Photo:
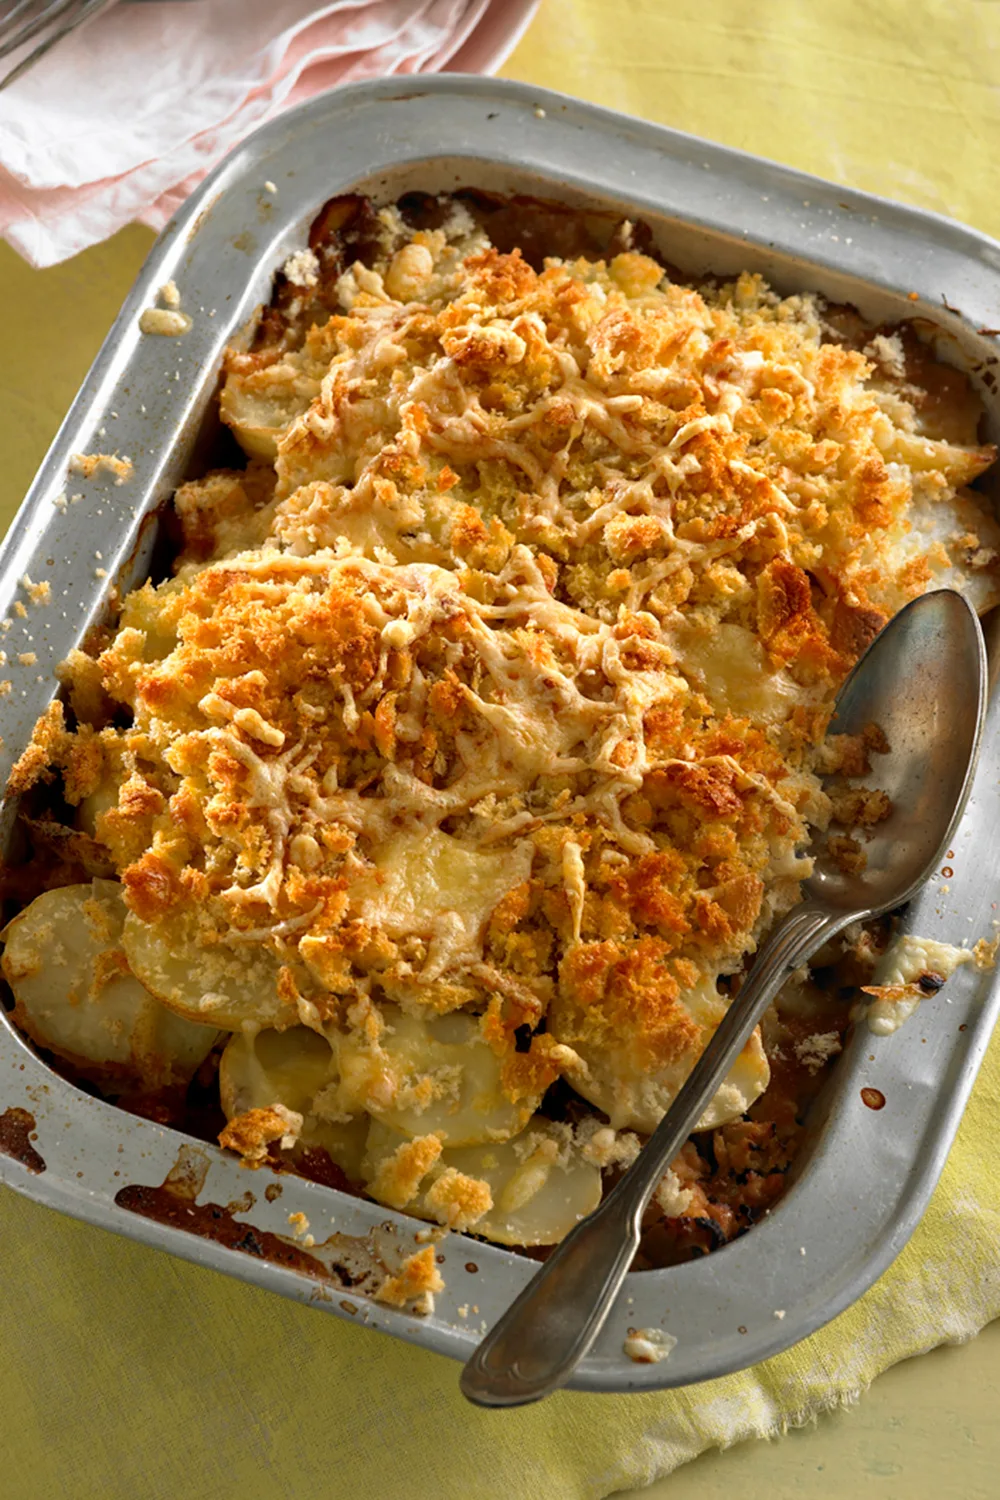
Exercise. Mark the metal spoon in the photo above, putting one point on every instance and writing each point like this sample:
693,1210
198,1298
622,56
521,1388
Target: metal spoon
923,682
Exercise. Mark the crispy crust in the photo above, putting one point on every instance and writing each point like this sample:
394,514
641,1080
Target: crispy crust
251,1133
418,1278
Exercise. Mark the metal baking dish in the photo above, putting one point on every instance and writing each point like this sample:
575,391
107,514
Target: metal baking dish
865,1176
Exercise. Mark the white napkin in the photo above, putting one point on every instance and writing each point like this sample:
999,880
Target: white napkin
124,117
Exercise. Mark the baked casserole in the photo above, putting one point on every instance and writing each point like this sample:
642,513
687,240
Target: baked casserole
424,819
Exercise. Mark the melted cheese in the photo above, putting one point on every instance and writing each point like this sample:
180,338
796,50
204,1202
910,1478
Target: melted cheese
895,983
729,664
648,1346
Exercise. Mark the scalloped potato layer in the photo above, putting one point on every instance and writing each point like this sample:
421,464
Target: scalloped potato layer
476,731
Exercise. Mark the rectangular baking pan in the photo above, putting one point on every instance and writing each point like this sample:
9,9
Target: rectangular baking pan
864,1177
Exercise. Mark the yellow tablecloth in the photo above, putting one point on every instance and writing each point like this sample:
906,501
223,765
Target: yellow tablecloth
131,1374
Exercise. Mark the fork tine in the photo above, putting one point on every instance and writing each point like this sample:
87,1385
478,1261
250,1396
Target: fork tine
17,9
89,11
12,13
34,25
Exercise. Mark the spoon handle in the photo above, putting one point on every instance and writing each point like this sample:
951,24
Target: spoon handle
535,1347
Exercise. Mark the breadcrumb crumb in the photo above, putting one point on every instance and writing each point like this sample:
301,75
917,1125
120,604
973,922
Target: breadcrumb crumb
418,1277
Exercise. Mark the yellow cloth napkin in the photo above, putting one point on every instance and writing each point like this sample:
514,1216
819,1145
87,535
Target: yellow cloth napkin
130,1374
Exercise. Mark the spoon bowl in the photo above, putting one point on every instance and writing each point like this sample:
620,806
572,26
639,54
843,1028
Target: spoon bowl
922,682
922,686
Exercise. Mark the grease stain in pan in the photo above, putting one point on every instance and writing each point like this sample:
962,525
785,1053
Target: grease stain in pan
350,1262
16,1127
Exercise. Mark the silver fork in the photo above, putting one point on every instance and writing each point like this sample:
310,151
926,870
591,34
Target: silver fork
48,21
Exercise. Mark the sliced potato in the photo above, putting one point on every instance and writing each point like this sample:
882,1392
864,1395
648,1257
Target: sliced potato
95,805
274,1067
634,1100
185,964
342,1140
260,406
635,1095
958,463
539,1184
290,1068
76,995
426,1075
430,884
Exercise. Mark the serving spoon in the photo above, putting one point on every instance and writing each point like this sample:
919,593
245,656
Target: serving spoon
923,683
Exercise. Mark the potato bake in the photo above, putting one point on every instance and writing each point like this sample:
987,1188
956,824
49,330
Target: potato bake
424,820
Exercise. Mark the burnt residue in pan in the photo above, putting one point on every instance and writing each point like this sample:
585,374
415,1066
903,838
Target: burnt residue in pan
16,1129
348,1261
536,227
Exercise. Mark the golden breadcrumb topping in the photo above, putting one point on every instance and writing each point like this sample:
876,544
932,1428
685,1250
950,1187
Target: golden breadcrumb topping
457,1200
251,1133
495,684
398,1178
418,1279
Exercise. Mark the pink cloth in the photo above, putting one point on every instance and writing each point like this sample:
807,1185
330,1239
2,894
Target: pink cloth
124,117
